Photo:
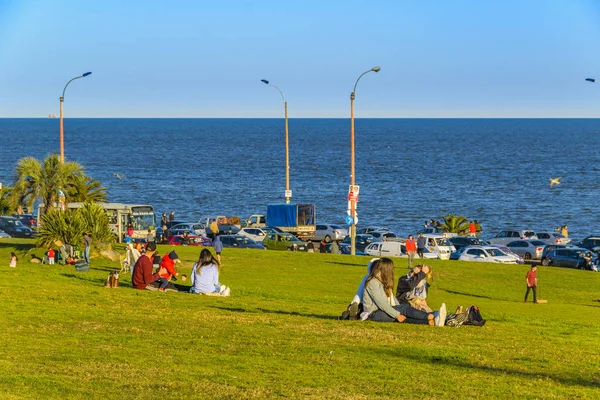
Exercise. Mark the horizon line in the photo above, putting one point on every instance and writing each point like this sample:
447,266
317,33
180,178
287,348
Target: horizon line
56,118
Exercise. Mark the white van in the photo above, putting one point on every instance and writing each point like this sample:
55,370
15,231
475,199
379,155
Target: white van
384,249
440,245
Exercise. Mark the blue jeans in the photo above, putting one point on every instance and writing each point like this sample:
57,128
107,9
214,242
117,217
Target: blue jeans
413,316
86,255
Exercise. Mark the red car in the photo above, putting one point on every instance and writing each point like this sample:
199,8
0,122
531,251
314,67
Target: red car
194,241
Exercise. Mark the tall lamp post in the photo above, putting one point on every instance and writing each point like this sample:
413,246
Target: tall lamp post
353,192
288,192
62,99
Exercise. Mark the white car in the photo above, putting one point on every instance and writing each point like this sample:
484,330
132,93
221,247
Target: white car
329,233
256,234
439,244
486,254
553,238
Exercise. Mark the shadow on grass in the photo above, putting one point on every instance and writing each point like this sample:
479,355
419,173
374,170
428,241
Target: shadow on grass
349,264
23,247
265,311
459,362
479,296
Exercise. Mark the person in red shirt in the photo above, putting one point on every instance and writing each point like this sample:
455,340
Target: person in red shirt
472,229
531,278
411,249
51,256
168,263
142,277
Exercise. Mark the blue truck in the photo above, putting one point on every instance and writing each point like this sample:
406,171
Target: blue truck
298,219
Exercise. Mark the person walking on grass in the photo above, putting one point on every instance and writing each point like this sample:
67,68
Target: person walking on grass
13,260
421,244
411,249
87,243
218,247
531,279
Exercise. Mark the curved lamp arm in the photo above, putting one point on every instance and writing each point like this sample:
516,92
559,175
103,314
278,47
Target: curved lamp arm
374,69
266,82
77,77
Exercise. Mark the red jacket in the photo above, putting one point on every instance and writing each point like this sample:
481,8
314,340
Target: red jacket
169,265
472,228
142,273
410,245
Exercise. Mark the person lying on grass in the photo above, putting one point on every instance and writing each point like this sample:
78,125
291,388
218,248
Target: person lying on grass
413,287
205,276
379,302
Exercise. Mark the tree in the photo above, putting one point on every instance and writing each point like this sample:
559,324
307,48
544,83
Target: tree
82,188
6,204
455,224
69,226
36,181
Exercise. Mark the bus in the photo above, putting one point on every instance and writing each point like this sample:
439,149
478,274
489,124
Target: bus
120,216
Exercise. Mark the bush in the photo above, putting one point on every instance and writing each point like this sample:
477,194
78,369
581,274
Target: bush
70,225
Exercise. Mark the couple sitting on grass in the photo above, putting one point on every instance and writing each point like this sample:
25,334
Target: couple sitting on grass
205,274
375,298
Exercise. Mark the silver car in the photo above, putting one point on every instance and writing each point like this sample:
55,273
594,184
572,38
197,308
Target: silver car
191,226
528,249
256,234
553,238
505,237
329,233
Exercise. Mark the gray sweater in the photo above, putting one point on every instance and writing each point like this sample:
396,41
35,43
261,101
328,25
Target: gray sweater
375,299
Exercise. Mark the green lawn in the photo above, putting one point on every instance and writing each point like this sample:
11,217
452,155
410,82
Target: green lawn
64,335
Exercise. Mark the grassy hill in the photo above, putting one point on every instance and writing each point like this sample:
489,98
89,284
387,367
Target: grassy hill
66,336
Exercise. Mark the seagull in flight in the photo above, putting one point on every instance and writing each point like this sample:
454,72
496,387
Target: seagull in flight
119,176
555,181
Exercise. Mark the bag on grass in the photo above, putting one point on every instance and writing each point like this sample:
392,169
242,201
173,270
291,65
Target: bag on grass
474,317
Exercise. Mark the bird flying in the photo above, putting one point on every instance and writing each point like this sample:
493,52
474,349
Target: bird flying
555,181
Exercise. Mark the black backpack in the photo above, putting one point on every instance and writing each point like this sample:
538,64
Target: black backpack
474,317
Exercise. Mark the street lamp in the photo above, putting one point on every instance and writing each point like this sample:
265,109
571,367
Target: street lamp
353,194
288,192
62,99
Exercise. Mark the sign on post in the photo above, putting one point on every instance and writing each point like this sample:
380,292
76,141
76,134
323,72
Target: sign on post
288,193
353,191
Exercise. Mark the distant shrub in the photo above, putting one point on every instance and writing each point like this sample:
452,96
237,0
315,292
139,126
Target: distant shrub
70,225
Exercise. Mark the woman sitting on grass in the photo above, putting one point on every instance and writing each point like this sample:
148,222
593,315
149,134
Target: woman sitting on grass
379,302
205,276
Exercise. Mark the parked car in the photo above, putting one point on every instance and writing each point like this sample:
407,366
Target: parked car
15,228
509,252
549,247
257,234
4,235
455,255
370,229
283,241
384,249
427,254
485,254
436,231
528,249
345,248
553,238
575,257
240,242
439,244
383,236
362,241
180,232
228,229
329,233
505,237
27,219
200,229
463,241
193,241
591,243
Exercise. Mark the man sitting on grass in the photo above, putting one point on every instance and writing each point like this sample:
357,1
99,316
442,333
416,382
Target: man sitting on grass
142,277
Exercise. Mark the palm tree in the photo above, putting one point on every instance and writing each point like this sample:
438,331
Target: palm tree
455,224
83,188
43,182
6,204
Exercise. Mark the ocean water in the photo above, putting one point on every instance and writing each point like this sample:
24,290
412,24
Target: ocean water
496,171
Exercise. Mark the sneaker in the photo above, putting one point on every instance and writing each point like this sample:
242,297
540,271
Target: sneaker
442,316
161,290
226,292
353,311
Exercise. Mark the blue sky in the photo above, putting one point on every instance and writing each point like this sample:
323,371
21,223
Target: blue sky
201,58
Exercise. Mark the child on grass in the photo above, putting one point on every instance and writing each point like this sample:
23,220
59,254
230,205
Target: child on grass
13,260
